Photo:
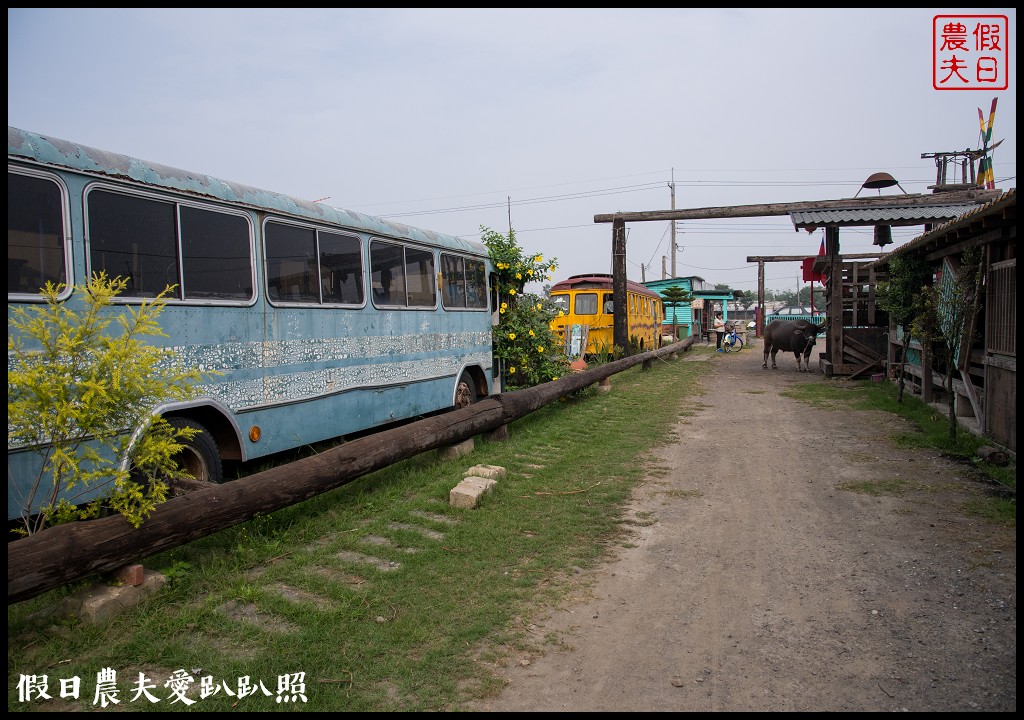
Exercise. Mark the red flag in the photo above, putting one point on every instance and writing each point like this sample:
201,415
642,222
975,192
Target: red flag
808,266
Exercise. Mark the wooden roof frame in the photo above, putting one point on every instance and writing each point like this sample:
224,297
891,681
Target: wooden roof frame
618,220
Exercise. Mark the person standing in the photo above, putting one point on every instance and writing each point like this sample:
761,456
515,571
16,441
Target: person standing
719,326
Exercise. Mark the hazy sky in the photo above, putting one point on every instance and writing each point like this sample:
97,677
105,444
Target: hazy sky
453,119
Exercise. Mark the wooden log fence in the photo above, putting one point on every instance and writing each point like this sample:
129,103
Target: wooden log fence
65,553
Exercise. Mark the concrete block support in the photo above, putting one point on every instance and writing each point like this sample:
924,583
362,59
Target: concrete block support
453,452
467,493
494,472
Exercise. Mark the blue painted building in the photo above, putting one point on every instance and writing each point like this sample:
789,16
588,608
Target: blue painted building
693,319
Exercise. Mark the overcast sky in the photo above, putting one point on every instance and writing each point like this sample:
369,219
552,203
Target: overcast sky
455,119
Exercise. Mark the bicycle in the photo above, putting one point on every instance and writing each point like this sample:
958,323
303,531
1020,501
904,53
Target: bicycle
732,340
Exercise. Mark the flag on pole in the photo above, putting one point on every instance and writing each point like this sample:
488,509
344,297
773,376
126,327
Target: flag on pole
986,175
808,266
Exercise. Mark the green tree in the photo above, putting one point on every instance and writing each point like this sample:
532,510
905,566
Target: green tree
947,314
74,389
527,350
896,296
673,297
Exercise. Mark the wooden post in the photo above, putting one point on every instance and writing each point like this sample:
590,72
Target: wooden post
834,333
620,328
759,329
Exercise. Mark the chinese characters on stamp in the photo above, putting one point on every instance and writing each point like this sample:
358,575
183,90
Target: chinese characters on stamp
970,52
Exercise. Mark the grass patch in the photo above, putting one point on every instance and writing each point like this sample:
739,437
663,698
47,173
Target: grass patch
894,486
929,428
995,510
403,633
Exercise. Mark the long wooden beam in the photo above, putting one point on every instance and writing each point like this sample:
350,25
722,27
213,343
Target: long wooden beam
797,258
978,196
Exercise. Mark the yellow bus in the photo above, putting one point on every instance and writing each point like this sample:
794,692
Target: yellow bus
586,322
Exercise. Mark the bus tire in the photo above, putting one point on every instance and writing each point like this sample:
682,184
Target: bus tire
465,392
200,457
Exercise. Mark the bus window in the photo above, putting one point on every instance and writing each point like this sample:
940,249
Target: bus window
476,284
341,268
463,282
402,276
291,263
586,303
608,307
387,273
36,251
419,278
561,302
453,281
216,257
135,238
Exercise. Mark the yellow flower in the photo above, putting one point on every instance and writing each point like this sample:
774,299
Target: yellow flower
531,333
511,336
502,311
505,305
519,276
530,272
550,278
539,306
540,348
561,313
511,371
538,258
512,291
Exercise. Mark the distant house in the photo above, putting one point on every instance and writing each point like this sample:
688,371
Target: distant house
695,320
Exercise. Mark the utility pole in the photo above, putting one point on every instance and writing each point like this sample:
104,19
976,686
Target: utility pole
672,186
643,275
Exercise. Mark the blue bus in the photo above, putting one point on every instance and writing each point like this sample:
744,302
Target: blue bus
321,322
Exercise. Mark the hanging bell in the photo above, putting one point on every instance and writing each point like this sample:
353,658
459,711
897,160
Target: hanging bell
883,235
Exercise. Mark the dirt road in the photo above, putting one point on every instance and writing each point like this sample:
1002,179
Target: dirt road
754,580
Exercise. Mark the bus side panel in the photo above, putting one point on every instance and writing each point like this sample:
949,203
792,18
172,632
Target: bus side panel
326,372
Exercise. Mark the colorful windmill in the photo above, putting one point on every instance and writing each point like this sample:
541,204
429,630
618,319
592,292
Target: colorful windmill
986,177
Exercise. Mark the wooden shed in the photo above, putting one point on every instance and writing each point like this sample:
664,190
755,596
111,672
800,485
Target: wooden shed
857,329
985,378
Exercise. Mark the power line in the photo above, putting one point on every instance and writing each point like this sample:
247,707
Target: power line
625,189
530,201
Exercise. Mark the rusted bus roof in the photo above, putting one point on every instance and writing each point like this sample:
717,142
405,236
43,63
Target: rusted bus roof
891,215
600,281
973,223
32,148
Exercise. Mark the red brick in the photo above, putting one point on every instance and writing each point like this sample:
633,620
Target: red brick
130,575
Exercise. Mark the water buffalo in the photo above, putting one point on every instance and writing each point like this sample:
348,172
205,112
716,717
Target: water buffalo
796,336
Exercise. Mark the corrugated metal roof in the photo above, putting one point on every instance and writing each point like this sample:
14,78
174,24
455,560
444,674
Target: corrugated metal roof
894,215
1004,208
